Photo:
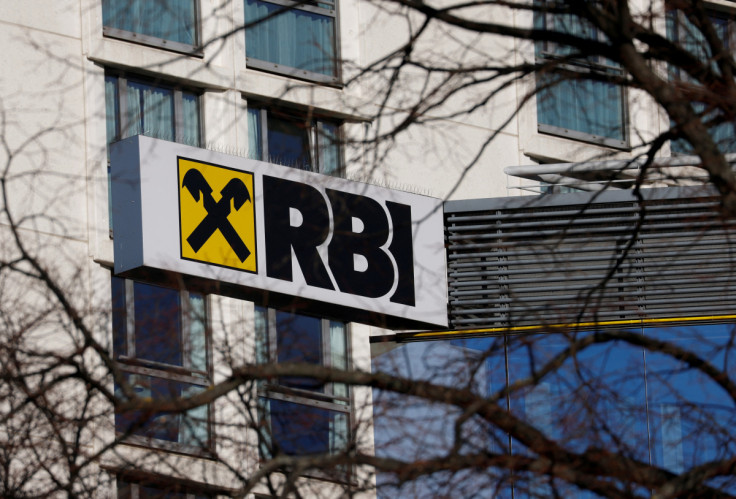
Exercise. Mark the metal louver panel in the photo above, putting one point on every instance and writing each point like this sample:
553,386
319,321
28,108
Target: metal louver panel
572,258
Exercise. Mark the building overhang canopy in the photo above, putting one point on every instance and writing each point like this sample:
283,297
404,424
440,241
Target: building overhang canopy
622,174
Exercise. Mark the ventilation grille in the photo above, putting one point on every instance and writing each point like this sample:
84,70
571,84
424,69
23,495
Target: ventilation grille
567,259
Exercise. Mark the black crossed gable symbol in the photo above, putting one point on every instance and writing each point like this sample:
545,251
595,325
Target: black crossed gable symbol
217,211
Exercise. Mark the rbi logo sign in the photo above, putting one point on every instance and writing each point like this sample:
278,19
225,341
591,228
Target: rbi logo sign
216,215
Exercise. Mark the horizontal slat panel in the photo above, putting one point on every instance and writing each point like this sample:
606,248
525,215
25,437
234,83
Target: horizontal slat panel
516,263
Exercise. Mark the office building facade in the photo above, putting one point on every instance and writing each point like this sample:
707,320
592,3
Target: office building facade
261,82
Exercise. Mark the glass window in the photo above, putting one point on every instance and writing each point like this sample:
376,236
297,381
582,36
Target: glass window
298,339
294,140
302,415
156,489
691,416
160,345
586,107
411,429
595,399
303,429
681,30
170,24
630,400
135,106
157,335
293,38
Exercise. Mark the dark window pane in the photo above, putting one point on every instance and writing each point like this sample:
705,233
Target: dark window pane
161,426
119,328
159,493
288,143
299,339
190,428
154,490
157,324
298,429
124,491
294,141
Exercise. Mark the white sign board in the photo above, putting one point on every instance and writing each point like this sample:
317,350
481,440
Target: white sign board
367,253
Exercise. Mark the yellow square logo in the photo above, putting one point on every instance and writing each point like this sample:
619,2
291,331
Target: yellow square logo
216,215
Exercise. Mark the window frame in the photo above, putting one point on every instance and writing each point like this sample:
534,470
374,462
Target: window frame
290,394
326,400
724,14
548,51
714,12
166,486
315,135
133,365
303,74
162,43
178,91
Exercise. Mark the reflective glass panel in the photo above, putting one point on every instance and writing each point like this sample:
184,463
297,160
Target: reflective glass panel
294,38
190,126
680,29
411,428
189,428
575,102
640,401
597,396
158,324
288,142
119,326
587,106
155,490
329,148
150,111
692,418
173,20
299,429
255,140
299,339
